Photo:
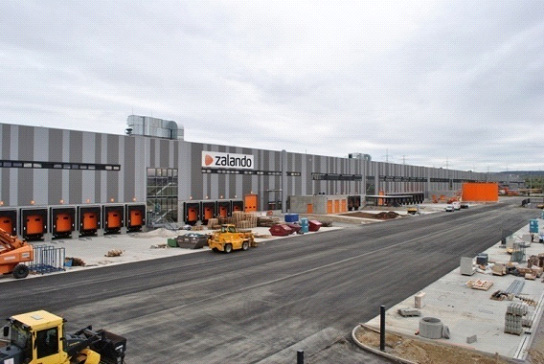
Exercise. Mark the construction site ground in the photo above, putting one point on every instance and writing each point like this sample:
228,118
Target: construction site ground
467,313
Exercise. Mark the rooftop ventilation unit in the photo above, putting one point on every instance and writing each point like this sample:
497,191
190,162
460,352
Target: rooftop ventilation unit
362,156
153,127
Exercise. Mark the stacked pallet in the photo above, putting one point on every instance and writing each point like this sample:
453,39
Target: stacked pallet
213,224
244,220
514,318
225,220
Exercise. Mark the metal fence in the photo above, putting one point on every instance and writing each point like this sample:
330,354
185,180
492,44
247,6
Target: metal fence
47,259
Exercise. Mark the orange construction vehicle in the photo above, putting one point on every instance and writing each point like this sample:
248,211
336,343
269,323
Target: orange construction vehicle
14,252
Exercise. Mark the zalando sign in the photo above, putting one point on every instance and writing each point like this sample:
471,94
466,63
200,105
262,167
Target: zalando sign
227,160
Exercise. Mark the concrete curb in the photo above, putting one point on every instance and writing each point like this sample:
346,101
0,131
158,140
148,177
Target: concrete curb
406,361
375,351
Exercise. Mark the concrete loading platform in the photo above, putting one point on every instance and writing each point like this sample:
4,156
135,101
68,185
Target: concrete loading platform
475,320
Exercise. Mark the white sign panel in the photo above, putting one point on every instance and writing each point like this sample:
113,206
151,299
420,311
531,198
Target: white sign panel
227,160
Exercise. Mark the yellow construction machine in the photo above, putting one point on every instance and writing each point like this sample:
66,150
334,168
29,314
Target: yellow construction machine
38,338
228,239
13,253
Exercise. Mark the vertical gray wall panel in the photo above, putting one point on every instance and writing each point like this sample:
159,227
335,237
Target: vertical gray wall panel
196,171
128,169
25,190
25,143
88,177
65,181
121,180
112,177
97,175
75,177
40,178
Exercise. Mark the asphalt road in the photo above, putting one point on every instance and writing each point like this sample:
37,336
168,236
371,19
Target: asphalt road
261,306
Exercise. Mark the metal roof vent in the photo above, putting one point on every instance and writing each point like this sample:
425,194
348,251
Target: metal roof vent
153,127
365,157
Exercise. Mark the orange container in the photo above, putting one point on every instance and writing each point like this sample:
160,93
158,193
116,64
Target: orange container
34,224
481,192
63,223
114,219
223,211
90,221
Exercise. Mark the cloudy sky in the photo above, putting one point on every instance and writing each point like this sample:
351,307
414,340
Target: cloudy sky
453,84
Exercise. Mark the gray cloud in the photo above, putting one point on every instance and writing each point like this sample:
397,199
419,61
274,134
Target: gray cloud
457,84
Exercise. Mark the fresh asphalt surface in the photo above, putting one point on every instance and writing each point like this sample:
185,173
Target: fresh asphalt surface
261,306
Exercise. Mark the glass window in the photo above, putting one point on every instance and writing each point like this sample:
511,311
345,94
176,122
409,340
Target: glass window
47,342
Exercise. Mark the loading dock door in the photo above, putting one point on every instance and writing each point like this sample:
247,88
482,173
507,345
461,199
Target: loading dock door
250,203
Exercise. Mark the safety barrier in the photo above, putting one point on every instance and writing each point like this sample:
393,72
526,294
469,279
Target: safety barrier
47,259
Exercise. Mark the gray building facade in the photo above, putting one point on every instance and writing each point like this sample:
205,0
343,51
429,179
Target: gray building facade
44,166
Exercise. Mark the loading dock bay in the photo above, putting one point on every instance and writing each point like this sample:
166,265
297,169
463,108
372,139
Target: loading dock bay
261,305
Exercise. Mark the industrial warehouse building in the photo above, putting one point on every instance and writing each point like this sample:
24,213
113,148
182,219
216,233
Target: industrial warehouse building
73,181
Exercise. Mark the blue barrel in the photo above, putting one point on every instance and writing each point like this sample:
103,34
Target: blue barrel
304,225
533,226
291,217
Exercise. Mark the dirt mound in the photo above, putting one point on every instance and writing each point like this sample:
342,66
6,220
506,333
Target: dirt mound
379,216
158,233
426,352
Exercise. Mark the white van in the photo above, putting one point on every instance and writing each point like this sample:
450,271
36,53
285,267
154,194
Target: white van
456,205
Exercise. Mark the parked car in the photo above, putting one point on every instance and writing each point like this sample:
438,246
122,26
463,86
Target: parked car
449,208
464,205
456,205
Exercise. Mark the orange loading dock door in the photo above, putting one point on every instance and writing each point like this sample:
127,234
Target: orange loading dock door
113,218
192,212
250,202
6,224
223,208
135,217
33,223
8,221
63,223
89,219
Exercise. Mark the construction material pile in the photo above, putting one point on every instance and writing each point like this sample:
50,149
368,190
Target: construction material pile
267,221
240,219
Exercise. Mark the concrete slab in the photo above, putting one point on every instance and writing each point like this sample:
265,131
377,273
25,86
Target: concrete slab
468,312
136,247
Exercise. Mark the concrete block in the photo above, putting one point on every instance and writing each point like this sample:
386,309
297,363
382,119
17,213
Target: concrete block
471,339
467,266
418,300
409,312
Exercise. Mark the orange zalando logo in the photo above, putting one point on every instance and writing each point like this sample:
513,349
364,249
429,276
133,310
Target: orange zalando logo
208,159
